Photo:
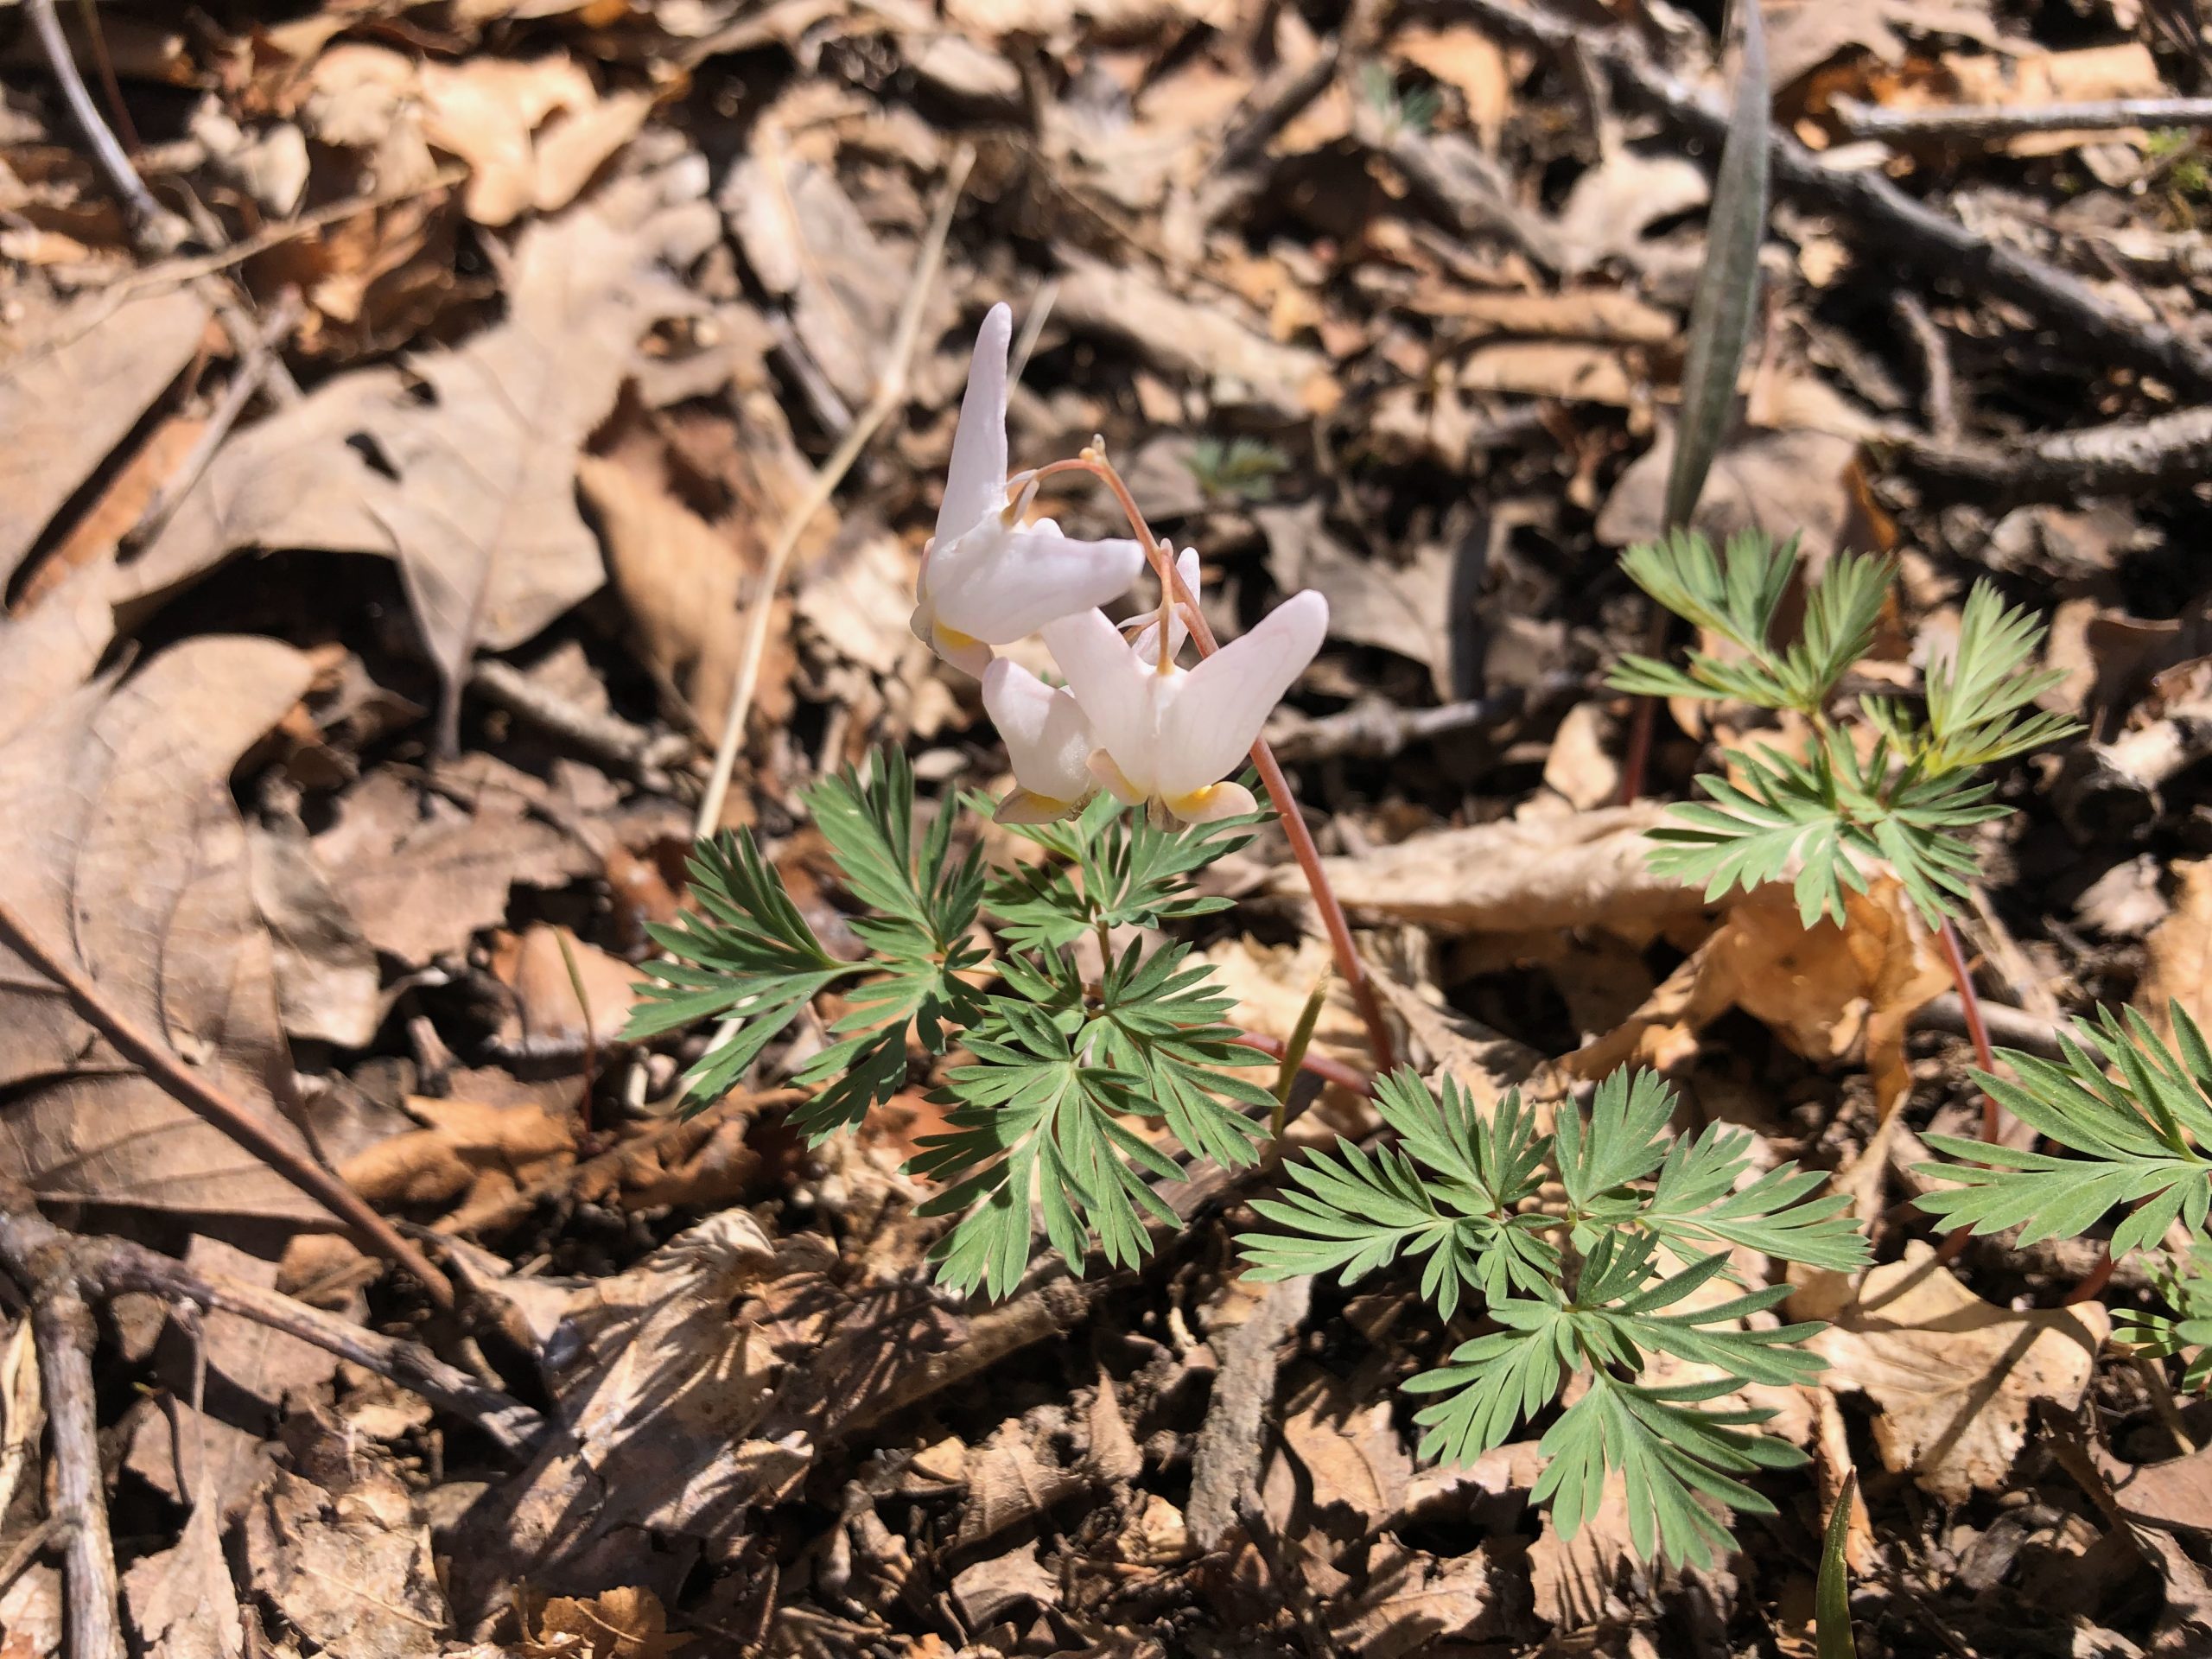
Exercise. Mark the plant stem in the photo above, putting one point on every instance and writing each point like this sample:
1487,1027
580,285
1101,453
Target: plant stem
1333,921
1954,956
1294,1051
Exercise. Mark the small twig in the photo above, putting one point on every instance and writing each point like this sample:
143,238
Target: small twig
1939,396
154,224
105,1267
61,1325
890,392
2124,458
1974,121
1940,247
631,750
2014,1027
1326,1067
190,1089
251,375
19,1399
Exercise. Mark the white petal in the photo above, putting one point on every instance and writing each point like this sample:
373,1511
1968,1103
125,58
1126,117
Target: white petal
974,483
1214,801
1039,575
1113,687
1046,736
1218,708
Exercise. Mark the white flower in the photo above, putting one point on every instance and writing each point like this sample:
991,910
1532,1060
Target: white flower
1170,734
1047,739
987,579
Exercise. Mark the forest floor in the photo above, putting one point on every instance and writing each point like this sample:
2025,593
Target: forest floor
385,492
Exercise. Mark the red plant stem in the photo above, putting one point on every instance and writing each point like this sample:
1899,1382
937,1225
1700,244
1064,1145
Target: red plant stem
1333,921
2093,1282
1319,1065
1977,1031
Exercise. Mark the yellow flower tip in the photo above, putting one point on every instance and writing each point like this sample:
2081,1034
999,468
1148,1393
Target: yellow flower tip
1214,801
1027,806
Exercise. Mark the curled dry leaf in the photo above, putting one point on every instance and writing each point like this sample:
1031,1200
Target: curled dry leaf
464,1150
1405,608
129,861
1952,1378
181,1601
1541,871
74,392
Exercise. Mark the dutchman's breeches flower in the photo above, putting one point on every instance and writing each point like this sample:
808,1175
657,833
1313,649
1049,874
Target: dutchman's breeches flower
988,579
1047,739
1169,735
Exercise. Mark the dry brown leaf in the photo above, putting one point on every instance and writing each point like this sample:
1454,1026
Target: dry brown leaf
75,391
422,873
2018,79
1566,368
1267,985
1013,1477
679,578
180,1601
478,502
129,861
1794,483
1583,765
328,987
990,1589
700,1381
857,600
542,969
1402,607
613,1625
1207,342
92,538
1411,1603
2176,1494
1574,1580
1352,1453
1612,204
2180,952
464,1148
1802,34
1461,55
350,1569
1952,1378
1544,870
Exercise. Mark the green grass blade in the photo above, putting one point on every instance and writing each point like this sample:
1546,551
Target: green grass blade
1831,1595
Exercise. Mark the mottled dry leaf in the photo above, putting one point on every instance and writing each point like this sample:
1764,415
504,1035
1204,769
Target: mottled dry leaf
475,495
70,394
2176,1494
421,873
130,860
1353,1453
613,1625
1013,1479
1406,607
181,1601
1797,483
351,1570
1953,1378
2180,951
1612,204
1802,34
328,987
679,578
1543,870
1411,1602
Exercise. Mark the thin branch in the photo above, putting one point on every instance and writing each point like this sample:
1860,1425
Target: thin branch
190,1089
890,392
61,1325
1938,246
2122,458
1979,121
252,374
160,230
101,1269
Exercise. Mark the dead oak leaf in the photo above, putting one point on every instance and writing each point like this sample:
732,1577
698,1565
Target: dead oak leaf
70,396
472,488
352,1571
1412,1603
629,1623
129,861
181,1602
1952,1378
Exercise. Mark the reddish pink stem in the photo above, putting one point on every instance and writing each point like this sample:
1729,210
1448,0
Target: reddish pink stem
1333,921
